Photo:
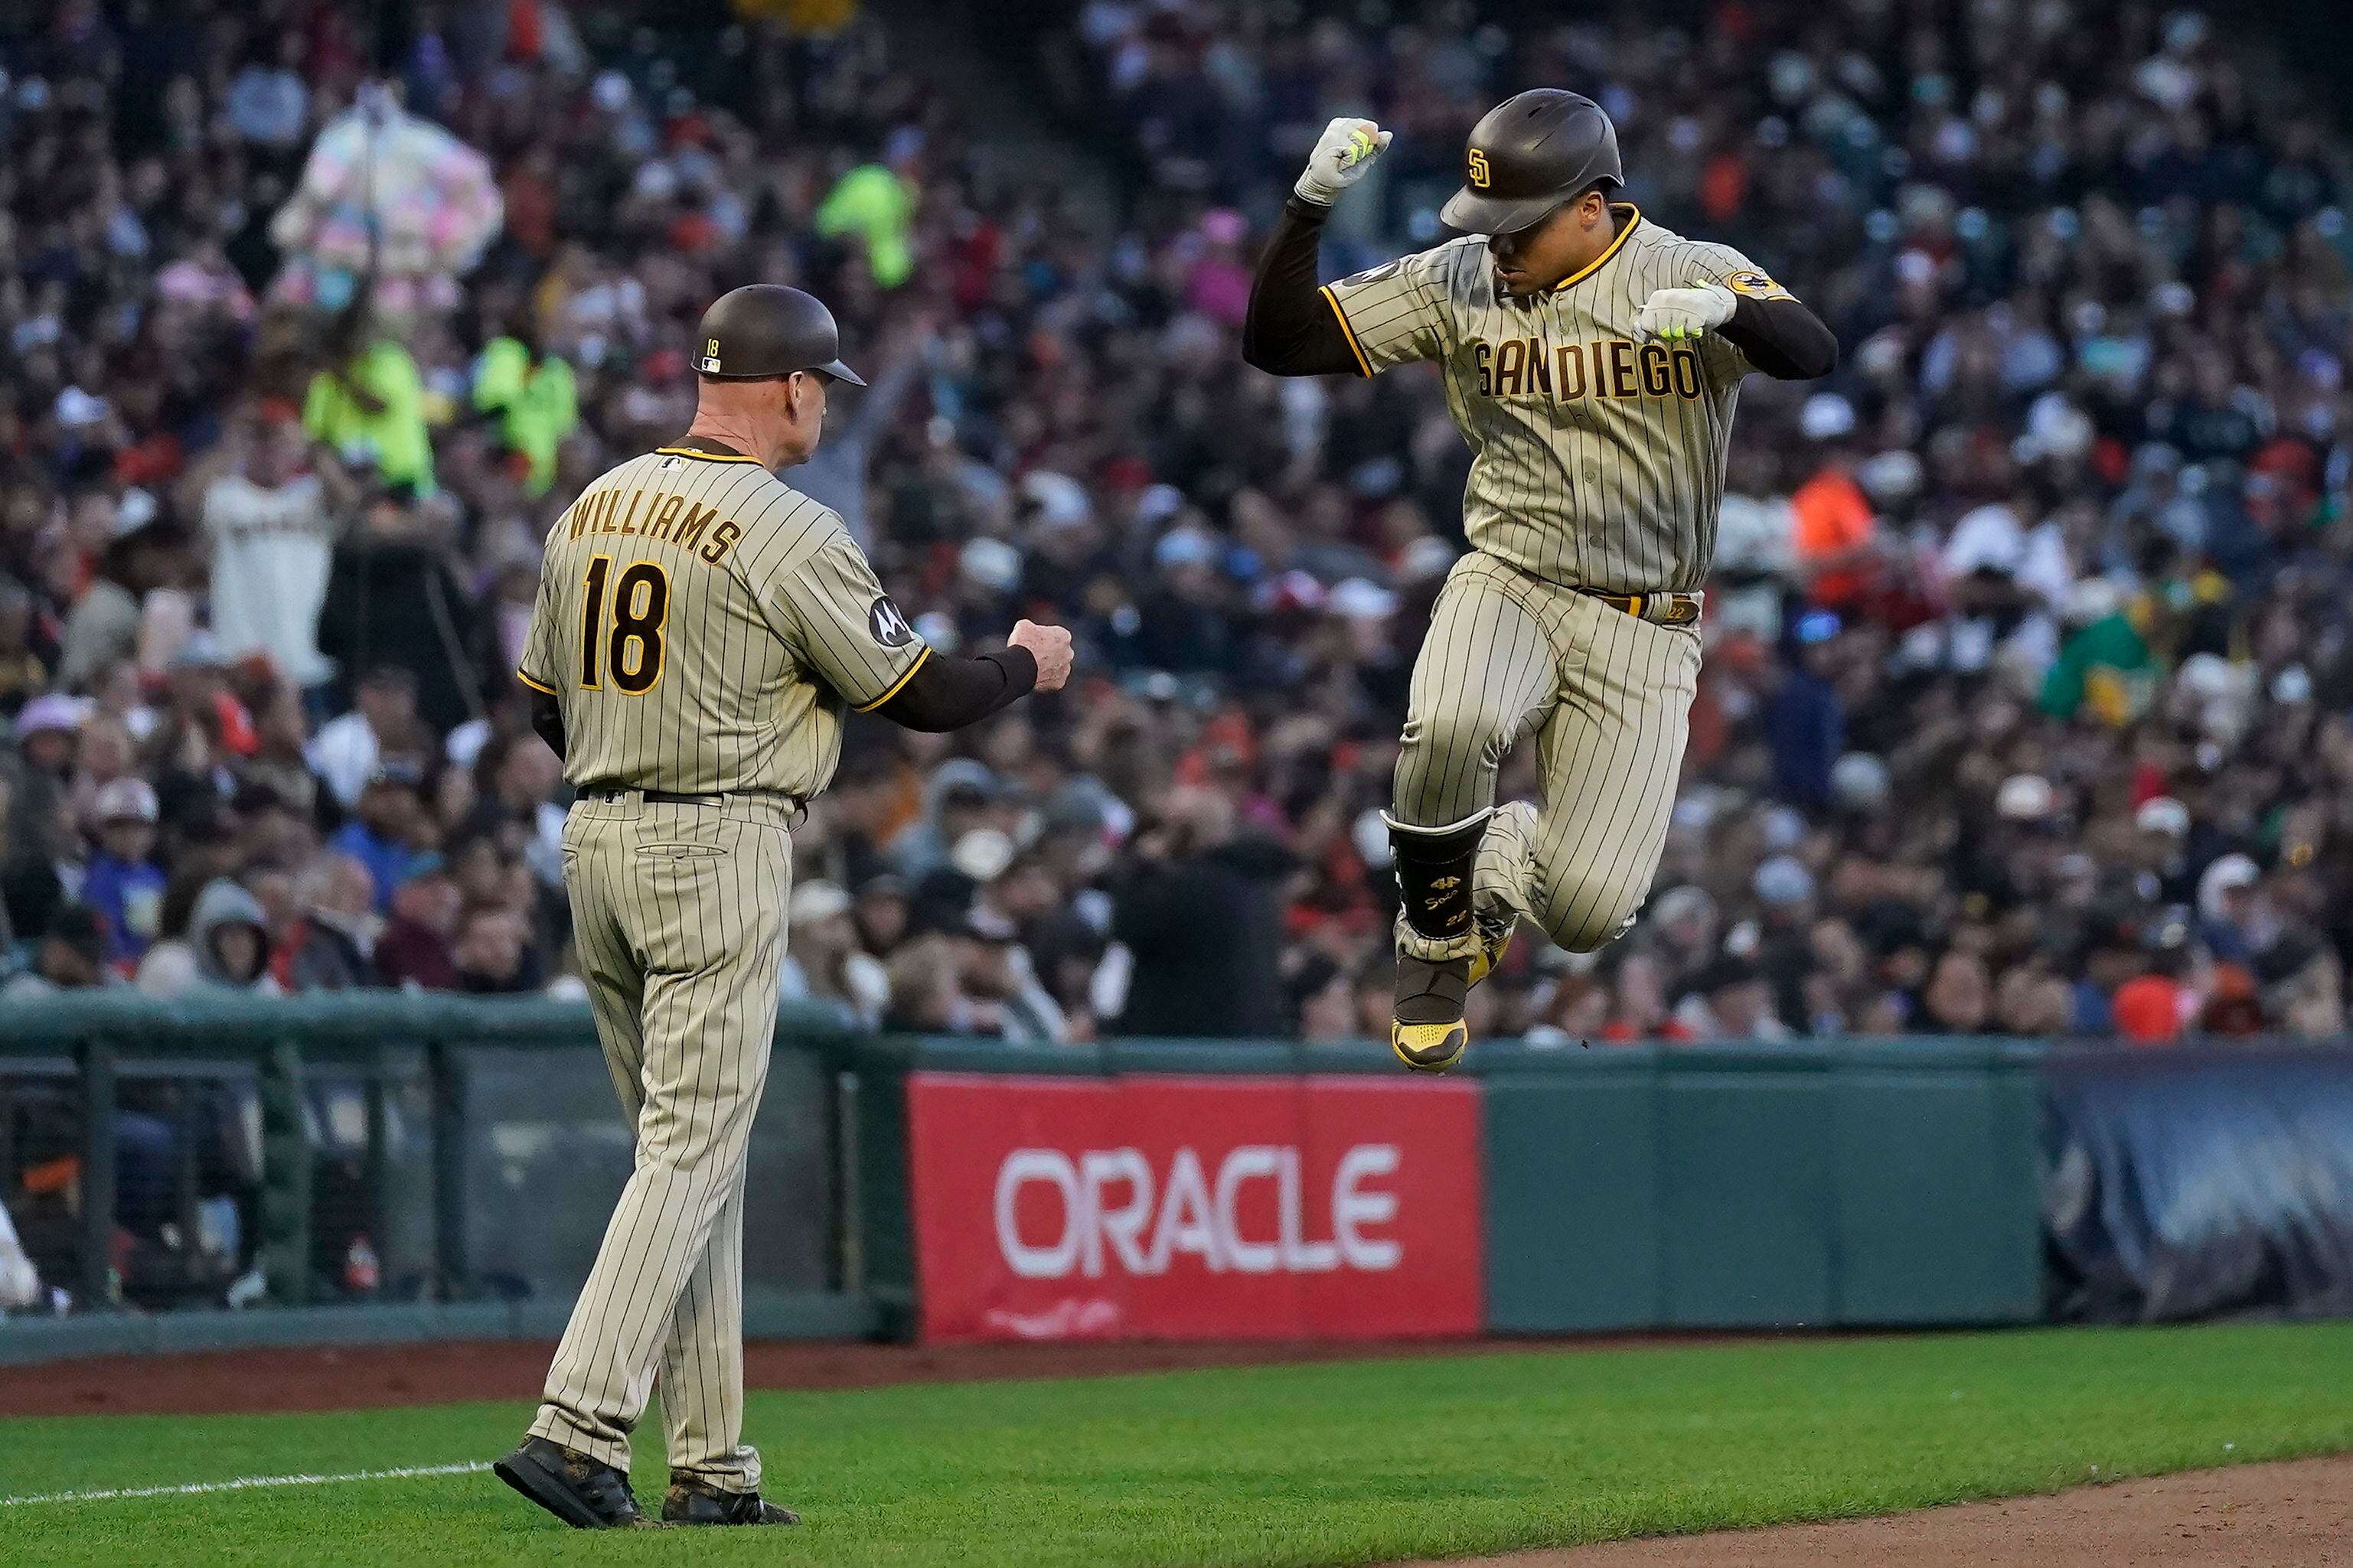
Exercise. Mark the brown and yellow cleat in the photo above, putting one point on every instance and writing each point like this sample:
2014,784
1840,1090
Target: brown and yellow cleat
1428,1033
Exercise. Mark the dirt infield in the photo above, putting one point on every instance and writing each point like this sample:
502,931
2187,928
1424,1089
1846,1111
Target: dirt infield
364,1377
2297,1514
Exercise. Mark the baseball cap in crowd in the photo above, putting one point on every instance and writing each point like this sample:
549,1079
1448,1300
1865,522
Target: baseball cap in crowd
2229,874
1057,499
1184,547
125,800
1826,416
1860,781
2025,797
987,925
198,650
55,711
990,564
1681,903
1782,881
1892,476
1426,558
1361,599
982,854
817,899
2092,599
2163,813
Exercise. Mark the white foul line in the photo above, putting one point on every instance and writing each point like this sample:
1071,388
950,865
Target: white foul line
247,1483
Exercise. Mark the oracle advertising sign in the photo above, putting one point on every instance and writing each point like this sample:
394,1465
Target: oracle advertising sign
1175,1208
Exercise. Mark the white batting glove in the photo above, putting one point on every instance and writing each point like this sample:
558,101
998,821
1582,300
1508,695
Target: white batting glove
1679,315
1342,154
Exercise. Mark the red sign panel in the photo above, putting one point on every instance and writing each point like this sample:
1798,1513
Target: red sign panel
1175,1208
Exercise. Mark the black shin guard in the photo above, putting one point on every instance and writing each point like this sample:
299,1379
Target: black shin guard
1434,873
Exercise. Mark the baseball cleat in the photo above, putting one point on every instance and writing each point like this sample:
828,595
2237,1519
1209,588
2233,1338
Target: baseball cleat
697,1503
1428,1033
584,1493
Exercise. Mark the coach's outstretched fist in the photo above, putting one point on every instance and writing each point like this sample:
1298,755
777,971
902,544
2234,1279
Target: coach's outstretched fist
1050,646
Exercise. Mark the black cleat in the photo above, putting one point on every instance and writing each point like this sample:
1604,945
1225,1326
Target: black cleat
584,1493
696,1502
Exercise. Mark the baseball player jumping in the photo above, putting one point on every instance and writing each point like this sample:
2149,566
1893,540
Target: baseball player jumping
702,629
1592,360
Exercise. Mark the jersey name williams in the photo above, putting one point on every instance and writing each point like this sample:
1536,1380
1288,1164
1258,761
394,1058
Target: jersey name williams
672,519
1610,368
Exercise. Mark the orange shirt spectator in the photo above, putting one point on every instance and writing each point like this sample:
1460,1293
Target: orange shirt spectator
1835,524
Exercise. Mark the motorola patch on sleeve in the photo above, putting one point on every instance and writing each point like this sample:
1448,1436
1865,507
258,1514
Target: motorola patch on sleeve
889,622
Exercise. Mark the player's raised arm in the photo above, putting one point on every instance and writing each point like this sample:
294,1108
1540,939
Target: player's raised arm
1291,330
1774,331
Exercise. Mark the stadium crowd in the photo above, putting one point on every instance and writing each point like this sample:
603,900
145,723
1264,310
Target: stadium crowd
2026,703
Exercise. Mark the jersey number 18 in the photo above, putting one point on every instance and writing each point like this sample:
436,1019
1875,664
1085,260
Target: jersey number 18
632,648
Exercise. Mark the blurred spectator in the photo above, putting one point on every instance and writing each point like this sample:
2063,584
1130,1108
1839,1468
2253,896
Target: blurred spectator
823,962
348,751
331,944
533,393
388,830
121,881
268,510
415,949
492,953
2031,635
70,955
1195,908
227,948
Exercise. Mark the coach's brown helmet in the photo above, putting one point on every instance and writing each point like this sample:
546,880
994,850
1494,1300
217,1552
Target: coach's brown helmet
765,330
1527,155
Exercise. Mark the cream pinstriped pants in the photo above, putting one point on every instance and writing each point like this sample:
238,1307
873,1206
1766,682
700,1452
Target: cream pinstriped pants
678,911
1607,698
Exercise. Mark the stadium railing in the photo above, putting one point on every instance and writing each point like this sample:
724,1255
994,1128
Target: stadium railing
385,1164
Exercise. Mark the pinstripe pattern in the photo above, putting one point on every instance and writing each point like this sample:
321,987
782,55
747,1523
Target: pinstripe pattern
1606,697
704,629
678,911
767,637
1597,459
1597,463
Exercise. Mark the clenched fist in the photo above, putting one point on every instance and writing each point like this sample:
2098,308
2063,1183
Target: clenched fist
1050,646
1343,153
1678,315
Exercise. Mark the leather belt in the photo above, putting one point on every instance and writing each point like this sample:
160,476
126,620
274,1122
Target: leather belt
672,798
1666,609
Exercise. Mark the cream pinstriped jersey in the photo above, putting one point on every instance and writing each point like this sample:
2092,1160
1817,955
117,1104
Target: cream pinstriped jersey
1597,458
705,627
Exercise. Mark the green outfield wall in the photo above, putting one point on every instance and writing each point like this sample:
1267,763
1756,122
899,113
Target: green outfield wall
1624,1188
1761,1187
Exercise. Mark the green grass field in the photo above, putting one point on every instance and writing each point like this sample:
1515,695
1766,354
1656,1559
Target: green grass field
1336,1463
